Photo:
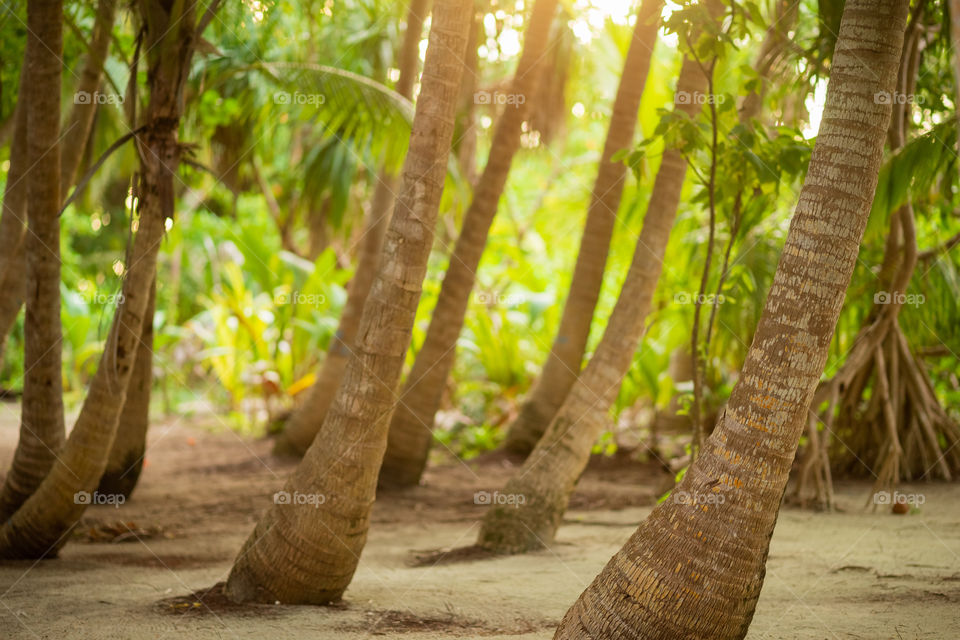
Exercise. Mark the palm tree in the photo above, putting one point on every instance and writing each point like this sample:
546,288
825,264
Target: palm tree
566,356
40,526
306,420
329,496
914,428
706,546
76,132
41,421
410,429
129,447
548,476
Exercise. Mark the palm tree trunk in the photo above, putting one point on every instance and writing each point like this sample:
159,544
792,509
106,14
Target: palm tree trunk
126,456
547,477
306,420
306,548
411,427
705,548
565,359
13,221
76,131
465,139
41,421
40,527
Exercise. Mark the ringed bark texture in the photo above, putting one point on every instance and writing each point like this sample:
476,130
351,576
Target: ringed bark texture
566,356
42,524
411,427
305,422
41,419
76,132
307,546
695,567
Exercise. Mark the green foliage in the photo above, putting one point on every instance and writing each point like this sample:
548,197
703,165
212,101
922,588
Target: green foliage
290,116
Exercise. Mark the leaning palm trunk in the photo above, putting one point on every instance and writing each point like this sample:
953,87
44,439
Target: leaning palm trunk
127,454
40,527
41,421
705,548
306,420
547,477
411,427
563,364
306,548
881,402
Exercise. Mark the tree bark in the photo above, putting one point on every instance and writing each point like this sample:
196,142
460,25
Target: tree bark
465,140
695,567
13,222
129,448
547,478
76,131
303,425
566,356
40,527
307,546
411,428
41,420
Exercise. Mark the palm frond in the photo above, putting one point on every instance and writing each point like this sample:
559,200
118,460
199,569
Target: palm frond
362,113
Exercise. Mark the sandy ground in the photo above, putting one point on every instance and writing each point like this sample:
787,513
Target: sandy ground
853,574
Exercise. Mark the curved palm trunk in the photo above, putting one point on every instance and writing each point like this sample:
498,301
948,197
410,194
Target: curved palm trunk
126,456
13,221
41,420
306,420
705,548
563,364
306,548
40,527
410,430
76,131
547,477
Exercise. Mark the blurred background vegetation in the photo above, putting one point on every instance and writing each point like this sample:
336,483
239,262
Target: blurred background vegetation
253,270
